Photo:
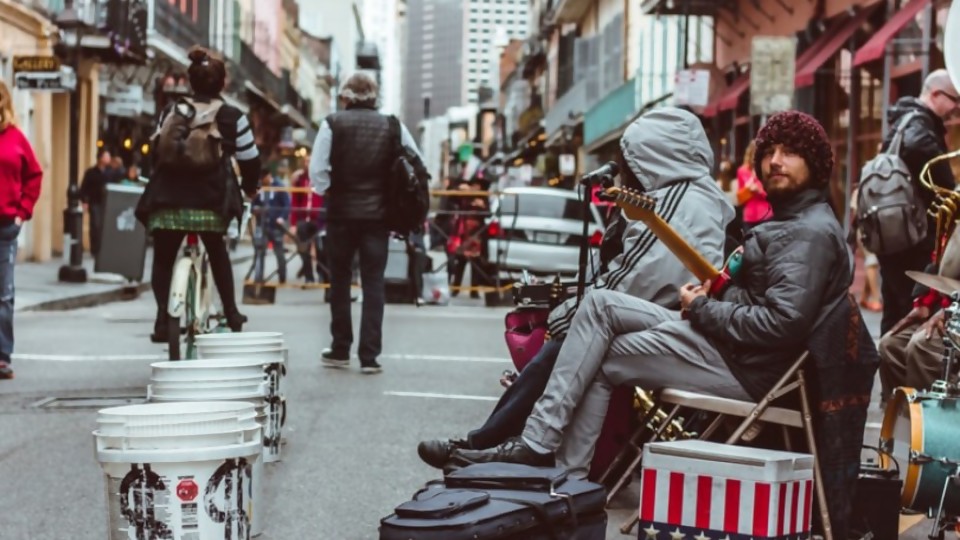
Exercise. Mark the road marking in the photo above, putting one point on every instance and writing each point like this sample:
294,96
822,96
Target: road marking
445,358
441,396
90,357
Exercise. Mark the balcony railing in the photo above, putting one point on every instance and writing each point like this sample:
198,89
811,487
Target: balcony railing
611,112
173,24
257,72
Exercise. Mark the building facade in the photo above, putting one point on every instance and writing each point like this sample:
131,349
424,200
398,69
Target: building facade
434,59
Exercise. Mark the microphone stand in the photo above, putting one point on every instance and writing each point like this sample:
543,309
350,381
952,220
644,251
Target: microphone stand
587,183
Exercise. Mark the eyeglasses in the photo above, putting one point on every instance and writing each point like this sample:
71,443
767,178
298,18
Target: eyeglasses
951,97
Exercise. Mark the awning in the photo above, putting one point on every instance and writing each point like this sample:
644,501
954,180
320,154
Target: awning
827,45
874,48
252,88
729,98
295,116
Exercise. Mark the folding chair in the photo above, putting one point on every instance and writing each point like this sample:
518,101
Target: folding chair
793,379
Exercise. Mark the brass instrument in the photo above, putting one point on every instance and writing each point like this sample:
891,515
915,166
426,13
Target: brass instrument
945,204
642,400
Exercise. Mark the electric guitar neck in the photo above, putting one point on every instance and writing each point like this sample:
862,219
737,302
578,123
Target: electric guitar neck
641,207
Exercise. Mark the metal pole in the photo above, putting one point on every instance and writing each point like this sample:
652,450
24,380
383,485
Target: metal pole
73,271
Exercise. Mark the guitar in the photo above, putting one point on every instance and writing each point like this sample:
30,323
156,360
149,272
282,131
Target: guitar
641,207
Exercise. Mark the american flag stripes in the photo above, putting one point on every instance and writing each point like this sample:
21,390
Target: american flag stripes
684,505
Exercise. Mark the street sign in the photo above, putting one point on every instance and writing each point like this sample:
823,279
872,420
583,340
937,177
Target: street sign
36,64
59,81
772,72
124,100
691,87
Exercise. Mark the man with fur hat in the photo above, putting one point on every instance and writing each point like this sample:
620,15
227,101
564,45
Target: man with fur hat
796,269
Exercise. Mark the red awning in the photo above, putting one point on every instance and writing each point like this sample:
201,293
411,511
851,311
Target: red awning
875,47
831,43
729,98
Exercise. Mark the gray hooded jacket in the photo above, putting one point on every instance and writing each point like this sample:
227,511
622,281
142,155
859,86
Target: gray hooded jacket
667,150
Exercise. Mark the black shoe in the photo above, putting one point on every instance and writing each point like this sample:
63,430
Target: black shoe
436,453
6,372
370,367
236,321
334,360
512,451
161,329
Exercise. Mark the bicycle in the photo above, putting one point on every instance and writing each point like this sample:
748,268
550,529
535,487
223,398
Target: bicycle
190,304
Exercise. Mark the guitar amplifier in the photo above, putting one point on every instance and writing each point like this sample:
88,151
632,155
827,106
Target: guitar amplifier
876,504
548,295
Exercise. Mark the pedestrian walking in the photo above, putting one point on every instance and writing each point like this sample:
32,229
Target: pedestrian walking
93,195
272,208
20,180
351,164
307,222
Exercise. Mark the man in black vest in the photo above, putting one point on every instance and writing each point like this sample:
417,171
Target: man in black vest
351,163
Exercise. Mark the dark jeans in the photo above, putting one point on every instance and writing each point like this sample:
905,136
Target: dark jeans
8,255
896,287
166,249
271,233
96,228
344,240
510,415
309,233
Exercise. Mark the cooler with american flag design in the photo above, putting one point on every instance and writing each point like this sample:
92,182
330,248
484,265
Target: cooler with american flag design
698,490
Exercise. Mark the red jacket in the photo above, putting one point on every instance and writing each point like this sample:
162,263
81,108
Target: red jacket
306,206
20,175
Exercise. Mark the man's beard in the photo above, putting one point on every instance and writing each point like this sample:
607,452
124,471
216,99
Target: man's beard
787,191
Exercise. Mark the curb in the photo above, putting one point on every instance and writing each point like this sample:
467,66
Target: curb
118,294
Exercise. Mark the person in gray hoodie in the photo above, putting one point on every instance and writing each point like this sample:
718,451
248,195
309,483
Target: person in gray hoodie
666,154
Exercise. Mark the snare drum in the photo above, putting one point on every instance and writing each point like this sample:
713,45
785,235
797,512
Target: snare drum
919,429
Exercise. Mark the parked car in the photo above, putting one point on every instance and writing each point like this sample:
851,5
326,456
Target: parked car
539,229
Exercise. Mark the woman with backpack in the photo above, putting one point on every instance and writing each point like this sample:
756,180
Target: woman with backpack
194,188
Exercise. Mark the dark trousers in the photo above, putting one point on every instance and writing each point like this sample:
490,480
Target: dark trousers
896,287
510,415
96,228
345,239
166,249
308,235
271,233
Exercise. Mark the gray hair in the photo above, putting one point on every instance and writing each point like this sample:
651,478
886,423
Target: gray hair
360,88
938,79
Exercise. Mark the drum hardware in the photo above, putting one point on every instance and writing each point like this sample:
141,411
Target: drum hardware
941,523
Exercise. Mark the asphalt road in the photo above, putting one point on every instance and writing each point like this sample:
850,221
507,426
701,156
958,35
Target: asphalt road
351,438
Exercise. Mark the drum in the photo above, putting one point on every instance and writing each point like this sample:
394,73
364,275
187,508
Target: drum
918,426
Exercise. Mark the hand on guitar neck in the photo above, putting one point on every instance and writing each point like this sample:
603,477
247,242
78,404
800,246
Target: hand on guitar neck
641,207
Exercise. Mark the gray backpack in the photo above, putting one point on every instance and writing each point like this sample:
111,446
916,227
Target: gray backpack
891,216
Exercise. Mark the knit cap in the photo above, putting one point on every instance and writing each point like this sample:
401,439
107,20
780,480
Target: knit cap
804,135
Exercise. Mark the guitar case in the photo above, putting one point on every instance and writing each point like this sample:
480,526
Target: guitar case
501,501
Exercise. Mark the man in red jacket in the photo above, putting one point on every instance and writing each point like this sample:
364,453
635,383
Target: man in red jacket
20,177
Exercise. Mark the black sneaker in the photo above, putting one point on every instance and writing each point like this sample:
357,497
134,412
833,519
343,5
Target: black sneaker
370,367
334,360
514,450
436,453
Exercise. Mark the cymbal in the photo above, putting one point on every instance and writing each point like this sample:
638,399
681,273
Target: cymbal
940,284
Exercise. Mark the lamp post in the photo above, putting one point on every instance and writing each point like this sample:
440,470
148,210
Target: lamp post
73,271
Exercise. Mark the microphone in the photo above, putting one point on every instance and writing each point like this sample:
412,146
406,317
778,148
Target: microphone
604,173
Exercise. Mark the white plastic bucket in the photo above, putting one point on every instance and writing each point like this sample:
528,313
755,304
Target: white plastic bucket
174,485
237,337
269,353
194,370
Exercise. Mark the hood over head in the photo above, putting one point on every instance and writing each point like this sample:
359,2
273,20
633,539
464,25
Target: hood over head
665,146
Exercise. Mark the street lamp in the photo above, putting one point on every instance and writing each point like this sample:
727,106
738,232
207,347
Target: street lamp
73,271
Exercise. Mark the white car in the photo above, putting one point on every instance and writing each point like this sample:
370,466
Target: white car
538,229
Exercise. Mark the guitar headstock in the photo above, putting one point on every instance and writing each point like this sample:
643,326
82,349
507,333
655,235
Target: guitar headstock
635,204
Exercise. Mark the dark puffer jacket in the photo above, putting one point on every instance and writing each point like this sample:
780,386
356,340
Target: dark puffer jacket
795,269
923,140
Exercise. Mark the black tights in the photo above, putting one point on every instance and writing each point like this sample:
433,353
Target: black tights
166,248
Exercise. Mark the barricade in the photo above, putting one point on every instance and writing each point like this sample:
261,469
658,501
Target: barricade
453,228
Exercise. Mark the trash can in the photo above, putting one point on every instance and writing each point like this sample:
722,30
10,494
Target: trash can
123,248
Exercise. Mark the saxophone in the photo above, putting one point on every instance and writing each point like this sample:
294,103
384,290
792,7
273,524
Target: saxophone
642,400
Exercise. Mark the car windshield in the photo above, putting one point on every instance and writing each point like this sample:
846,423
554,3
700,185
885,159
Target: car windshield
544,206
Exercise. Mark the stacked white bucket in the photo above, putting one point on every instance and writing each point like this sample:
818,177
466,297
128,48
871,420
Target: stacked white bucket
183,471
242,370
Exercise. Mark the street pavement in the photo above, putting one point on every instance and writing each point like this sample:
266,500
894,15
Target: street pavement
350,456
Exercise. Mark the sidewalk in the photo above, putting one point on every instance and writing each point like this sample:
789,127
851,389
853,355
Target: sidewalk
37,287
